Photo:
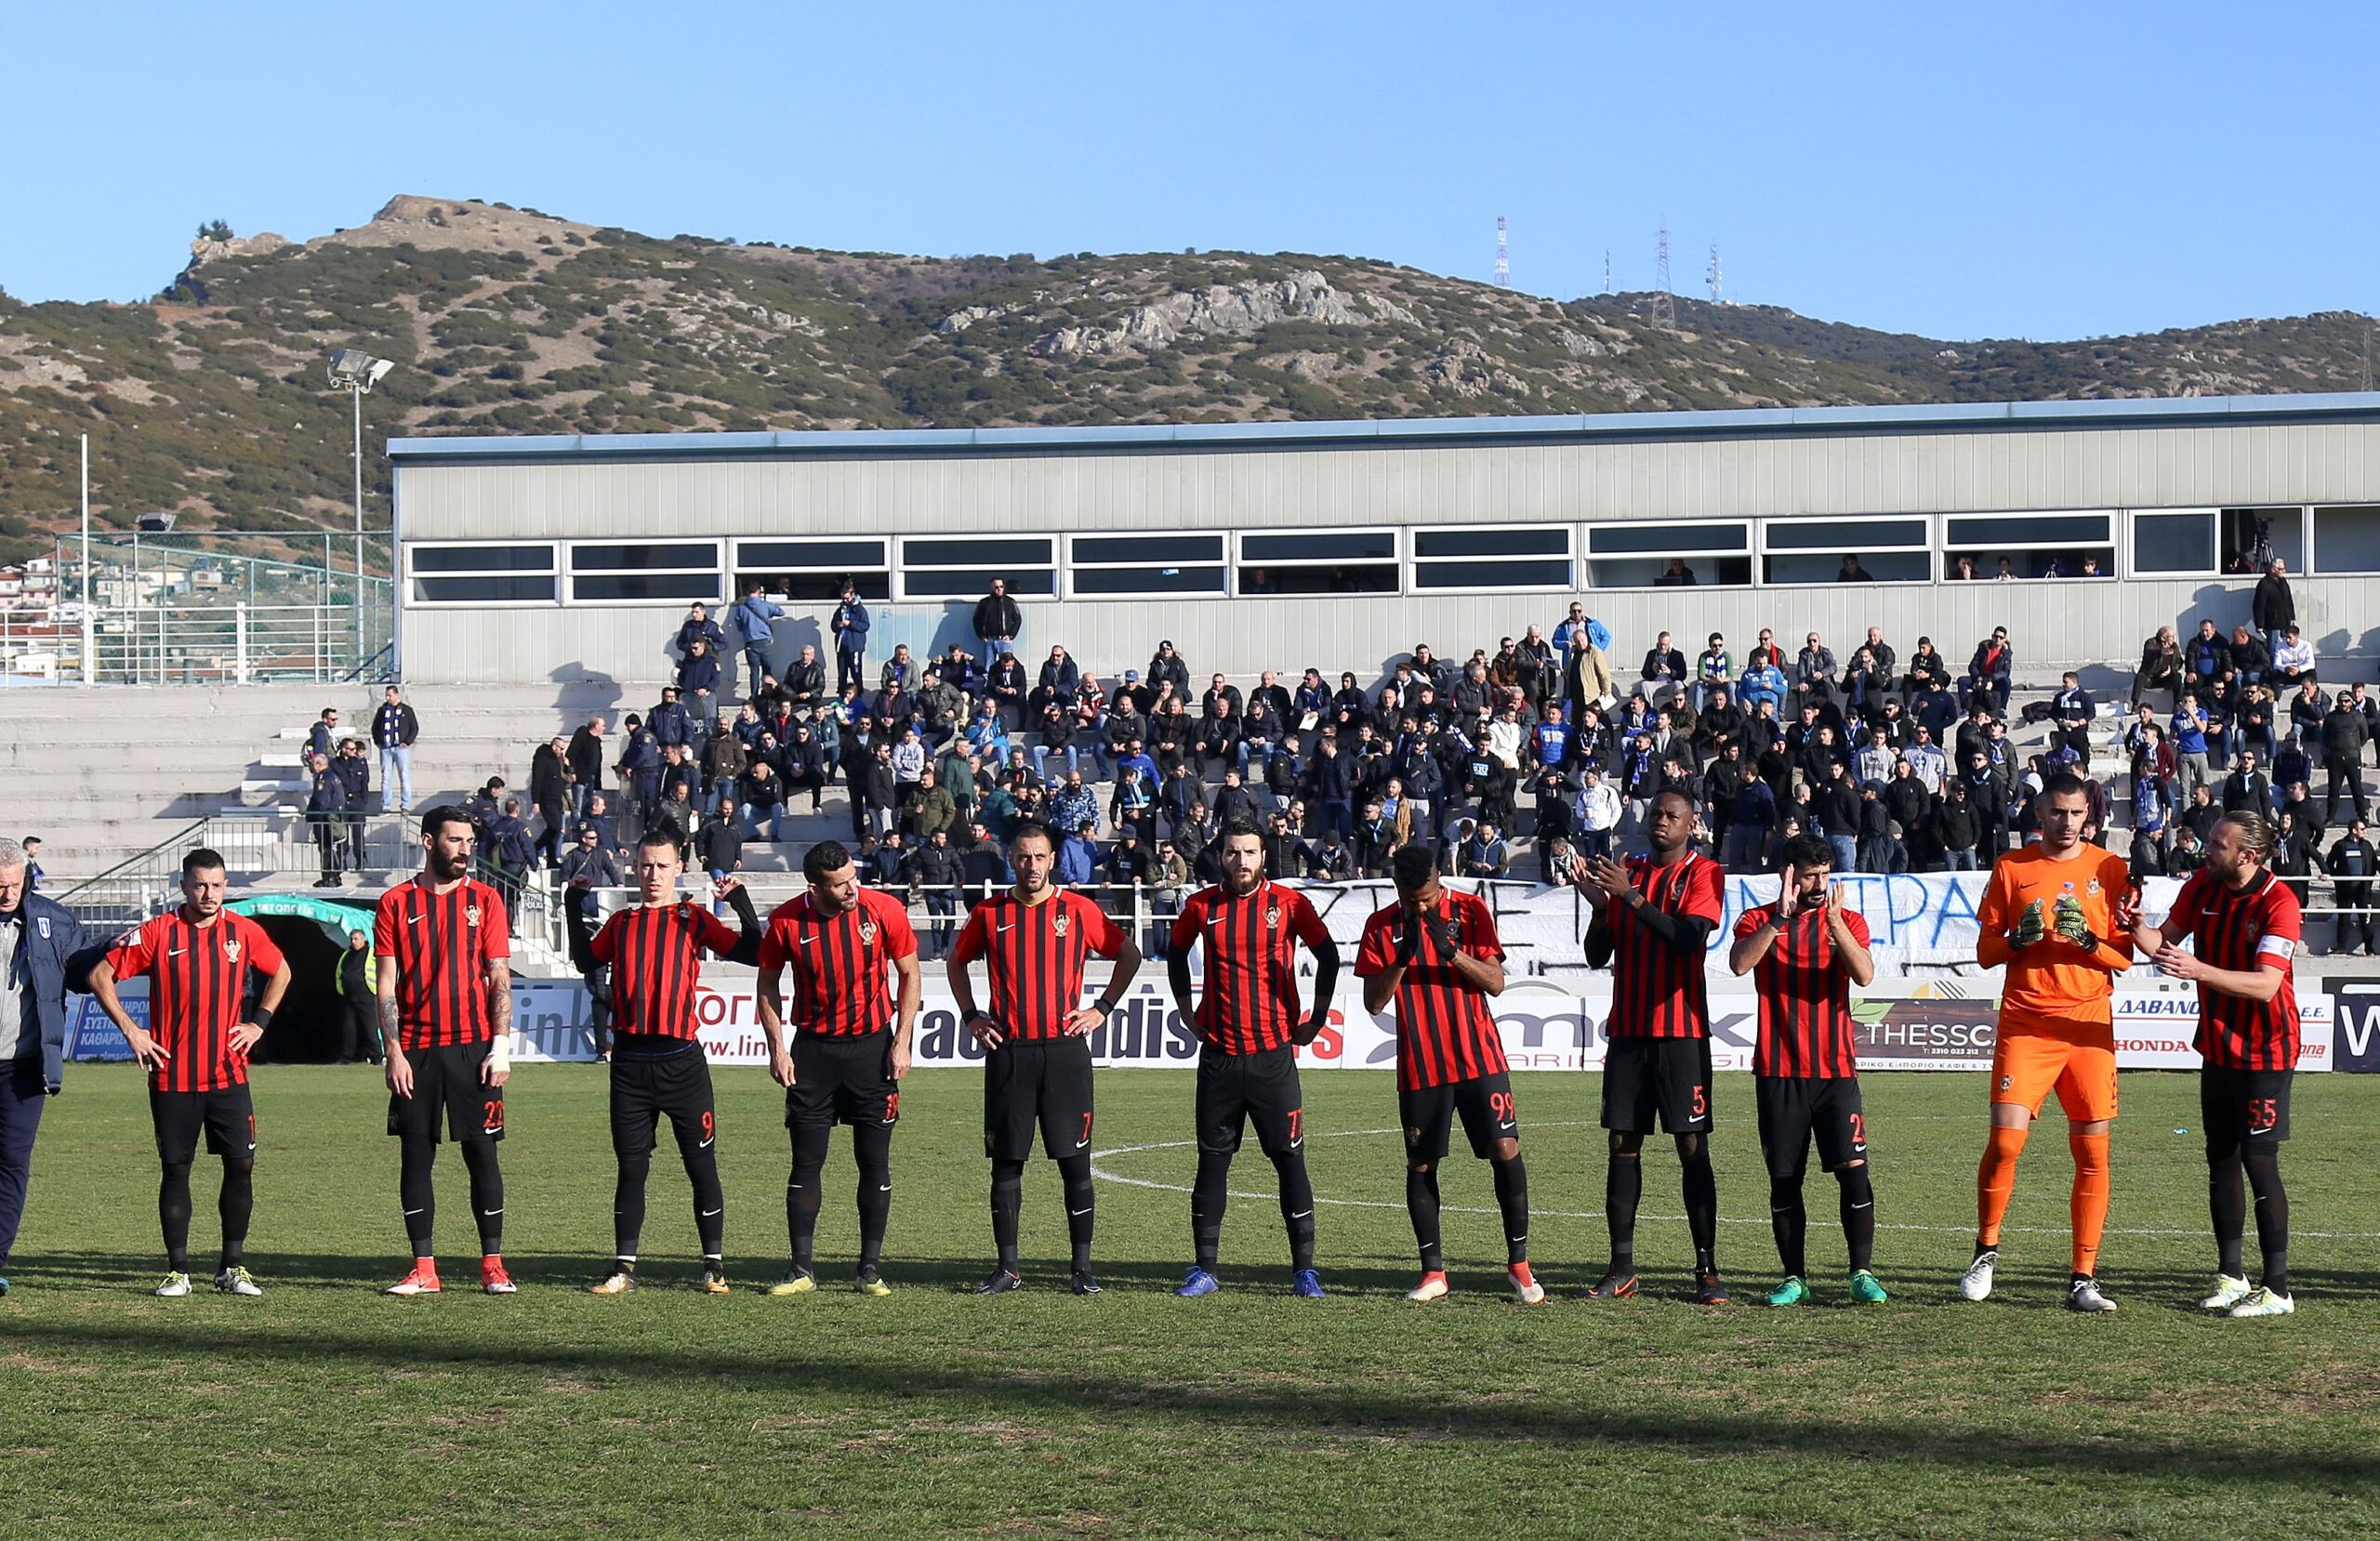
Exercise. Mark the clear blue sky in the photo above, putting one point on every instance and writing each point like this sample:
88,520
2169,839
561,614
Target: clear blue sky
1978,169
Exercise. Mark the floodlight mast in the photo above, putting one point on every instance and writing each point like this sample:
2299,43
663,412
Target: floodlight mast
357,372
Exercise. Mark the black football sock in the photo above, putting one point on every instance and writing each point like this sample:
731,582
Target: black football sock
487,1193
1789,1222
2228,1205
1701,1199
1512,1202
236,1204
802,1190
1623,1184
416,1159
1859,1200
1080,1202
628,1205
872,1146
1297,1205
1421,1203
1209,1195
701,1162
1007,1198
2272,1216
173,1215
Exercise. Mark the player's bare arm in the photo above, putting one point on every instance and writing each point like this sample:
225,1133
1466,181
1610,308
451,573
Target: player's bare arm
1085,1020
909,992
962,992
773,1024
146,1051
1744,956
247,1035
1857,960
398,1070
497,1067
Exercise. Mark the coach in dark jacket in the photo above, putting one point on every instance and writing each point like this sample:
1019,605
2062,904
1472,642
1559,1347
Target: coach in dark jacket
2274,608
43,953
327,813
355,774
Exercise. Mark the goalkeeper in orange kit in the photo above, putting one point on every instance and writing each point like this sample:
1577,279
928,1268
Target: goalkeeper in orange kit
2059,917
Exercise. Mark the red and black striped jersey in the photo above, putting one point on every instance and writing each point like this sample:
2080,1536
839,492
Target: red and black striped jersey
197,976
838,961
1656,991
1249,1002
1806,1025
440,945
2242,931
656,952
1036,954
1445,1031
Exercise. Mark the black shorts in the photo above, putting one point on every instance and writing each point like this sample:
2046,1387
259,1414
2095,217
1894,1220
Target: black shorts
2244,1107
1238,1089
647,1089
447,1080
226,1113
1796,1109
842,1080
1485,1103
1672,1076
1042,1082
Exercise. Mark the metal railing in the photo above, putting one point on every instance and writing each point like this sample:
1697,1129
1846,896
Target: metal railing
148,880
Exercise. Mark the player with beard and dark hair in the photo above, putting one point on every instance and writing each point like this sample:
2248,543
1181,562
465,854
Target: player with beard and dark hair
444,947
1036,940
2244,926
1250,1027
1805,951
1435,952
197,959
1653,917
850,1046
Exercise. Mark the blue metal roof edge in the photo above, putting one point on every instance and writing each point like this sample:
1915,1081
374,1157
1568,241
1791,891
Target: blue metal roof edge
1657,424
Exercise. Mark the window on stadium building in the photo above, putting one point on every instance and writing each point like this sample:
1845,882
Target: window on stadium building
2031,545
812,571
962,567
2178,542
645,571
2242,533
481,574
1108,566
1318,561
2346,539
1493,556
1846,551
1657,554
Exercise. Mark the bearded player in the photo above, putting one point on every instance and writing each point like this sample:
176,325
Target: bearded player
2245,926
2057,915
1252,1028
1805,953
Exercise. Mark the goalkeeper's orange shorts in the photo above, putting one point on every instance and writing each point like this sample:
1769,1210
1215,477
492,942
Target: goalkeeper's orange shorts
2037,1055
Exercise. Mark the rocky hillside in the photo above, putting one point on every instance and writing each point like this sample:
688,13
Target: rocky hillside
211,398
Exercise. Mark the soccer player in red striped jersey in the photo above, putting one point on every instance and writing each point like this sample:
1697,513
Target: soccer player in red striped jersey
1435,953
445,948
1653,919
2245,926
1036,940
1805,951
1250,1029
658,1067
850,1048
196,1048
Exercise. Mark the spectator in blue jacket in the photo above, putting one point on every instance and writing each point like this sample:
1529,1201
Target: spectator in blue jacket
753,614
699,627
1763,681
699,682
850,626
40,941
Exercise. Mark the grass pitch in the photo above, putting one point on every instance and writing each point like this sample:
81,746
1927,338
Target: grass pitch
322,1409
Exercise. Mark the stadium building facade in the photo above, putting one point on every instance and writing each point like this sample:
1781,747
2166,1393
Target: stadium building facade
1342,544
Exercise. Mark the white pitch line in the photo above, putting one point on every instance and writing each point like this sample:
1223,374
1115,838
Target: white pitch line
1096,1156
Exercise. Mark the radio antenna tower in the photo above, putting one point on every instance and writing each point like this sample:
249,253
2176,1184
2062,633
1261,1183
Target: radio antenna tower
1664,303
1713,276
1503,259
1606,270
